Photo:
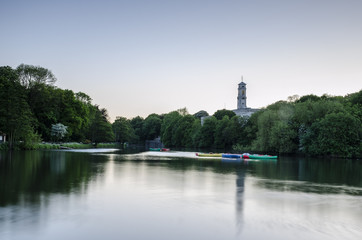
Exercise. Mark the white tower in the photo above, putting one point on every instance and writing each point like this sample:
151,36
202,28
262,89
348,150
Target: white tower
242,94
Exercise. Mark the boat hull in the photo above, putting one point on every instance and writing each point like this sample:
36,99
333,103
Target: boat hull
231,155
236,156
159,149
209,154
256,156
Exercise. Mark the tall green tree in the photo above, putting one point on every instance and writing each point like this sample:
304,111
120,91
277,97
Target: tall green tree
207,133
151,127
16,119
182,132
168,127
100,128
137,123
122,129
237,128
195,133
336,134
223,135
275,131
250,129
74,114
29,75
44,106
219,114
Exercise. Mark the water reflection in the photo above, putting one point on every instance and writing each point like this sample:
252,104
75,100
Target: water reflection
26,175
308,187
293,172
240,185
62,194
322,176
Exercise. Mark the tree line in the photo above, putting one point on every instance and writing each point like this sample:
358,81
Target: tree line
33,109
312,125
31,106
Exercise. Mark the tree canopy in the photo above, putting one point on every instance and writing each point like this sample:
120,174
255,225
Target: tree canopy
219,114
30,75
32,108
30,105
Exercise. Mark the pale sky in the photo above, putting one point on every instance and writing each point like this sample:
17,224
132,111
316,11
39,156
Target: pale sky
141,57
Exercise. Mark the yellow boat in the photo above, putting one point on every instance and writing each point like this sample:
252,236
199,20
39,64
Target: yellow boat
209,155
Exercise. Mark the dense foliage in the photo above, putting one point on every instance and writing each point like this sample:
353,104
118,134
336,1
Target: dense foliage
30,107
311,125
33,109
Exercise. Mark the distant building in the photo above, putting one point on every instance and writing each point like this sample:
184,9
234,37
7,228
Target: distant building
242,109
241,95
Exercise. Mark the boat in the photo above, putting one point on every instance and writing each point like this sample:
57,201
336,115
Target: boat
209,155
236,156
248,156
258,156
155,149
159,149
229,155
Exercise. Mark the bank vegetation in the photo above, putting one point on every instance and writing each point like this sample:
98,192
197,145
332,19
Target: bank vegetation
33,109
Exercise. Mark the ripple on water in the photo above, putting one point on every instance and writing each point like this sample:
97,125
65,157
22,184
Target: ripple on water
309,187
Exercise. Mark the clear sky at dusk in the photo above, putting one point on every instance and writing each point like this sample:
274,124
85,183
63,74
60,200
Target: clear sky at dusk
141,57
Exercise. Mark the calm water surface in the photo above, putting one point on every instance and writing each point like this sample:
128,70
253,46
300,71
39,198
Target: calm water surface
107,194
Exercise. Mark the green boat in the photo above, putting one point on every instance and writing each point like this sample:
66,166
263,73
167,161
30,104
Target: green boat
159,149
258,156
155,149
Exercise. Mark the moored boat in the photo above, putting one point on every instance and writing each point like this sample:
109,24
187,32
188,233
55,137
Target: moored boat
209,154
155,149
159,149
229,155
258,156
236,156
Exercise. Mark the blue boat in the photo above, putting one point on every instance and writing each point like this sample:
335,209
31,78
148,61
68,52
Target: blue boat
228,155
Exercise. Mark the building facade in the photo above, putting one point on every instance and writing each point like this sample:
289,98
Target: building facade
241,95
242,109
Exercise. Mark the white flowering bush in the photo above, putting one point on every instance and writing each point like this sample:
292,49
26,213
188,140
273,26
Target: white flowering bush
58,131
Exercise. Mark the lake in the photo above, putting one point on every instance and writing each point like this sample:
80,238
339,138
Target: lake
111,194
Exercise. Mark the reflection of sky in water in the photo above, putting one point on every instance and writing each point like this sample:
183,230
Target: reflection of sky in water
181,199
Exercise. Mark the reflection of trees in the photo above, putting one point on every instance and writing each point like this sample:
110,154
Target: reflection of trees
309,187
311,175
237,169
183,164
282,173
26,175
